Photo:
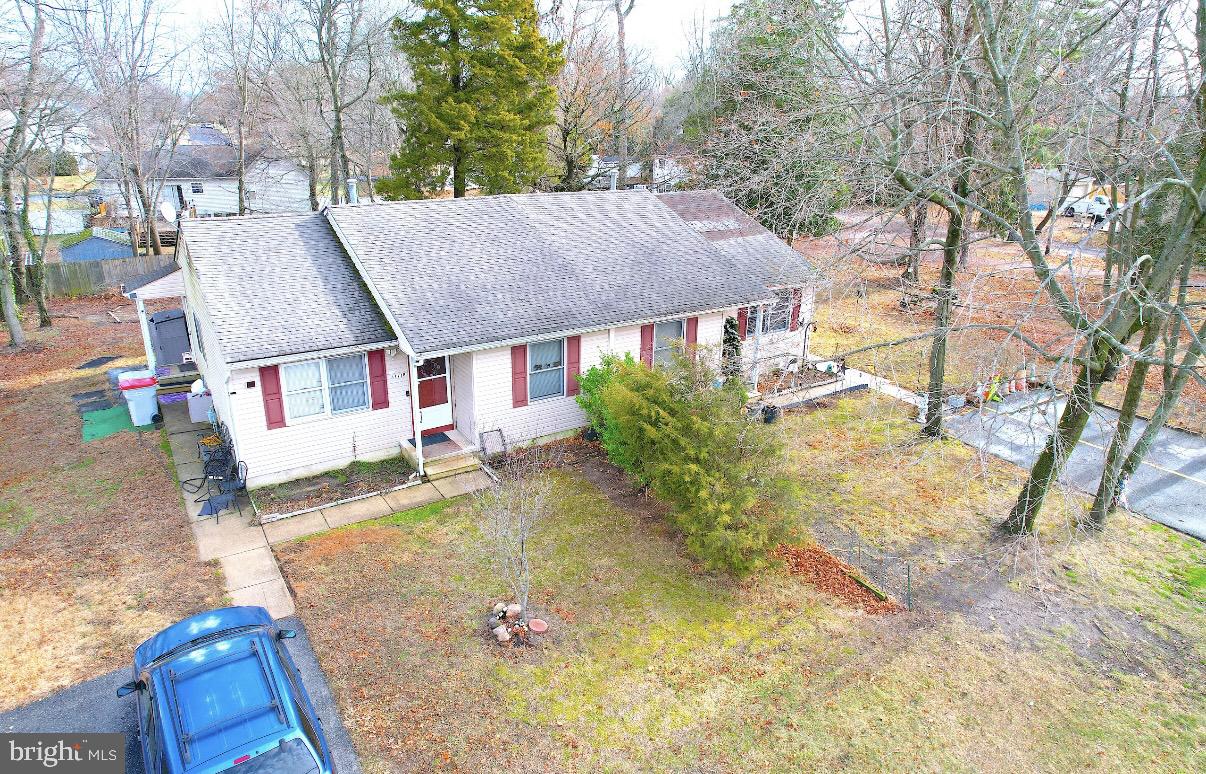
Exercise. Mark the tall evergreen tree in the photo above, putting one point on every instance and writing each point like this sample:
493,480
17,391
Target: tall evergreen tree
755,108
480,101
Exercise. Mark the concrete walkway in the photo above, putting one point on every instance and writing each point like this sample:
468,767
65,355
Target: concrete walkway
243,548
1169,487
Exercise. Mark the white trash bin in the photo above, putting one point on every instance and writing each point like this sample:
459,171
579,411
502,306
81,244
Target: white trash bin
139,388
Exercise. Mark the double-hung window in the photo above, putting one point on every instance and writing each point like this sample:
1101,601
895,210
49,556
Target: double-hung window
776,317
197,188
546,369
664,336
334,385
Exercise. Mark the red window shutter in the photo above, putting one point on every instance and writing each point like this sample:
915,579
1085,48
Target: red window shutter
743,319
573,364
519,375
647,345
692,335
378,380
274,402
797,300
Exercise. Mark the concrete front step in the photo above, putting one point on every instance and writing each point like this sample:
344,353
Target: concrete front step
450,466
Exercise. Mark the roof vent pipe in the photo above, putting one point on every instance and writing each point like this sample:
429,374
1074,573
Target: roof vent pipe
353,196
615,178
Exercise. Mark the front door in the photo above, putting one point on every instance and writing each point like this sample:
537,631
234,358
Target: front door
435,398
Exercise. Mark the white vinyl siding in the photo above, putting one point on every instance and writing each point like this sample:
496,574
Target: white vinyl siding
492,400
309,446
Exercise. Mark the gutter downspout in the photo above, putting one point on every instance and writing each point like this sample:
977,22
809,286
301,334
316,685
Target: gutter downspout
757,347
416,412
146,332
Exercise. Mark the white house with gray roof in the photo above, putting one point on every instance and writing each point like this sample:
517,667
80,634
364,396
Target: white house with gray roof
330,337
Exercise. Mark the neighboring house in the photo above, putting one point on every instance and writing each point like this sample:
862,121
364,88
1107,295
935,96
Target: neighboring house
328,337
98,244
201,180
661,172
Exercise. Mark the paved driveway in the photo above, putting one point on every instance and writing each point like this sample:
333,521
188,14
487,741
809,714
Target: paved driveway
93,706
1169,487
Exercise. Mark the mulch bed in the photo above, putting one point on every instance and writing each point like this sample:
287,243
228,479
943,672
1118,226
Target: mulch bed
833,576
327,488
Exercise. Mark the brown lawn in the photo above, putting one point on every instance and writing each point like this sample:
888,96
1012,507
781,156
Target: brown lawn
1059,654
862,307
95,549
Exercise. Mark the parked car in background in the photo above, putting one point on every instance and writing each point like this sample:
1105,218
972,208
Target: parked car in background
218,692
1096,205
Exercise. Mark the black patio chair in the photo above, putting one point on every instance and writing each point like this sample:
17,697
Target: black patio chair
236,483
217,501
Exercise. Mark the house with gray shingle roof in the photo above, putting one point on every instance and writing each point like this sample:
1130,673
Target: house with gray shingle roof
333,336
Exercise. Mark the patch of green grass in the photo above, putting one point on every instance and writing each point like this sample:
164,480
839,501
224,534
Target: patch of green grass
654,665
414,515
14,516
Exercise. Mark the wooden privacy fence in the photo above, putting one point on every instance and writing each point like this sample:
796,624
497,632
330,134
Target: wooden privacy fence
85,278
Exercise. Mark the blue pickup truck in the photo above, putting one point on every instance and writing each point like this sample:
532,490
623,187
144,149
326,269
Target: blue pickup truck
218,692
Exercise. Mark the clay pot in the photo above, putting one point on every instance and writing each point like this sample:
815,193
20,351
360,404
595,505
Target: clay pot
538,626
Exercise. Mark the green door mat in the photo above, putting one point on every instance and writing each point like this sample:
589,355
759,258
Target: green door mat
106,422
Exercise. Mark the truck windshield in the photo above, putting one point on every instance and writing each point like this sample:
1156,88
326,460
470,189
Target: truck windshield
291,756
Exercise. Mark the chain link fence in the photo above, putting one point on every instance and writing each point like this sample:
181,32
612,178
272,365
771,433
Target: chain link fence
894,575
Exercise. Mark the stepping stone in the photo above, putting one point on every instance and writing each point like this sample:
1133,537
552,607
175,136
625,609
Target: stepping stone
96,362
412,497
463,483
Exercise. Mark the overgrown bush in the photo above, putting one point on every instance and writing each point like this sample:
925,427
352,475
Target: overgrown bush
674,430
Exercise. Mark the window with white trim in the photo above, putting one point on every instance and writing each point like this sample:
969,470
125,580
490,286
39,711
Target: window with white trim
327,387
546,369
196,188
664,336
776,317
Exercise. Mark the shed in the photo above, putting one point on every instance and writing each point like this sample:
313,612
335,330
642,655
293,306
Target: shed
95,247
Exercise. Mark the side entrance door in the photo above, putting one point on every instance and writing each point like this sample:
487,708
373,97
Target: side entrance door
435,396
169,336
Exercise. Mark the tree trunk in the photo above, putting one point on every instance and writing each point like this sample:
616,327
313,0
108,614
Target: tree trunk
942,321
1168,401
1050,464
621,133
918,219
36,272
12,234
148,212
312,177
1122,432
16,336
241,162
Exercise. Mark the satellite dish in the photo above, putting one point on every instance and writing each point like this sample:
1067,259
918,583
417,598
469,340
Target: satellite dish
167,212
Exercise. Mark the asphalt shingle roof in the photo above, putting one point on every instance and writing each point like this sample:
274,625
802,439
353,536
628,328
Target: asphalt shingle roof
730,229
278,285
468,272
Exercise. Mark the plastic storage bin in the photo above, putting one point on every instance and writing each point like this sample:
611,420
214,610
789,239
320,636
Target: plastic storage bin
139,388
